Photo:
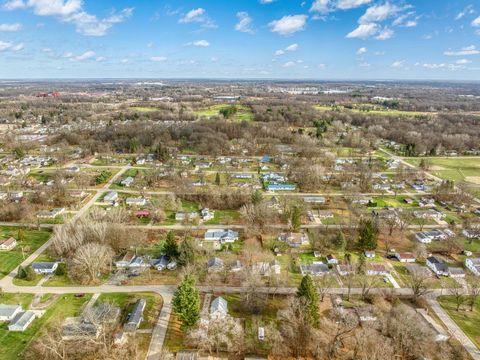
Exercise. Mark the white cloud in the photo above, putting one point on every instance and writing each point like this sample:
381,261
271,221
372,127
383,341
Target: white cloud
289,64
326,6
10,27
362,51
198,16
4,46
244,23
322,66
85,56
289,24
385,34
406,20
201,43
100,59
364,64
158,58
378,13
290,48
364,31
467,11
465,51
266,1
476,22
398,64
463,62
71,12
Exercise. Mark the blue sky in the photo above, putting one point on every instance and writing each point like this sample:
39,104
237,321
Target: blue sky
273,39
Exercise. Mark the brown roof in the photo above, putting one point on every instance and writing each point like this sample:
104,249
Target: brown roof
8,242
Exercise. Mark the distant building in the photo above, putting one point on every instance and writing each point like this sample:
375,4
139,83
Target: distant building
473,265
8,244
127,182
219,308
223,236
437,266
8,312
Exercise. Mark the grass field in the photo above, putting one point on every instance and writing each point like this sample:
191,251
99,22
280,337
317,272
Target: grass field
243,113
33,239
374,112
143,109
13,344
466,320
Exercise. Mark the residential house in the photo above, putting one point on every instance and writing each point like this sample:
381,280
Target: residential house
316,268
426,237
127,182
429,214
8,244
139,262
437,266
111,197
281,187
8,312
471,233
206,214
52,214
374,269
135,318
314,199
47,268
319,215
125,260
405,257
161,263
456,272
221,235
136,201
332,260
219,308
473,265
236,266
21,321
293,240
16,196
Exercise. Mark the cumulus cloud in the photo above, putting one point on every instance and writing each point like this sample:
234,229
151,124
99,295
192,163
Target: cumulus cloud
398,64
362,51
463,62
244,23
326,6
379,13
290,48
465,51
71,12
266,1
10,27
198,16
9,46
289,24
476,22
158,58
385,34
467,11
201,43
364,31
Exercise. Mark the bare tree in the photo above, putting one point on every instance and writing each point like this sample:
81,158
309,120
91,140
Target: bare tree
90,260
473,283
456,290
323,283
418,281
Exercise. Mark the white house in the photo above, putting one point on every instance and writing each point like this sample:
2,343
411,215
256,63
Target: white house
426,237
221,235
127,181
471,233
473,265
111,197
136,201
377,269
8,244
185,216
437,266
8,312
405,257
332,260
44,267
293,240
22,321
51,214
207,214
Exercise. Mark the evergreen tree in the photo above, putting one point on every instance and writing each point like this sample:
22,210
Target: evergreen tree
186,252
186,302
308,293
368,235
296,218
257,197
340,242
217,179
170,247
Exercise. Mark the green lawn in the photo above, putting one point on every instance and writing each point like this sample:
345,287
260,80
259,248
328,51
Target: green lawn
33,239
451,168
13,344
381,112
143,109
466,320
243,112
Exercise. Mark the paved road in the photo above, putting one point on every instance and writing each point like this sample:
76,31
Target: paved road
454,330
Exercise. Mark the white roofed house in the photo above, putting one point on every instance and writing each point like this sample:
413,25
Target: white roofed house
135,318
185,216
22,321
47,268
429,214
426,237
51,214
473,264
8,244
267,268
136,201
8,312
111,197
405,257
207,214
471,233
127,182
221,235
316,268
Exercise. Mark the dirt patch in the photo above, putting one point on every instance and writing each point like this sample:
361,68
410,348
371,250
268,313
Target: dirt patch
473,179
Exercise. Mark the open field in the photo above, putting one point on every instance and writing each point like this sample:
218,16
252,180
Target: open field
143,109
243,112
383,112
466,320
32,240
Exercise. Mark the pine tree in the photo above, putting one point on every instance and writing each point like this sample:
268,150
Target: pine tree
257,197
186,302
186,252
368,235
340,242
296,218
170,247
308,293
217,179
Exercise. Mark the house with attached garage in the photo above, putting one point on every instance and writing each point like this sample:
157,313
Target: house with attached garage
8,244
46,268
221,235
405,257
473,265
135,318
429,214
373,269
127,182
316,268
437,266
8,312
51,214
426,237
136,201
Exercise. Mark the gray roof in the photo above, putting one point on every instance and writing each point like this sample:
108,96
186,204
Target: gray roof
219,305
213,262
136,316
21,319
43,265
8,310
